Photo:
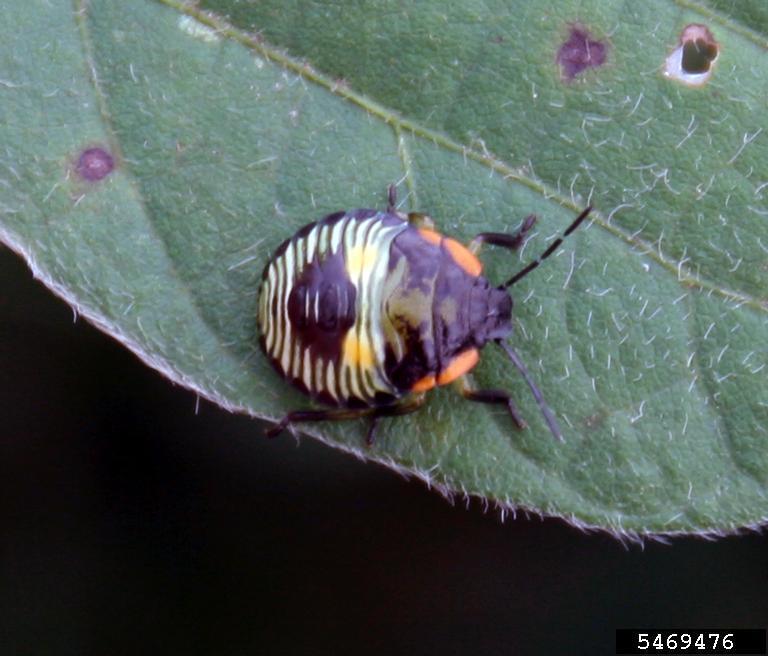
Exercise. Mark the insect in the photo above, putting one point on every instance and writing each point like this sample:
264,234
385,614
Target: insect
366,311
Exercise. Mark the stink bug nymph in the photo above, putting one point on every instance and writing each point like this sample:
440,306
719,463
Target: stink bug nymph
367,310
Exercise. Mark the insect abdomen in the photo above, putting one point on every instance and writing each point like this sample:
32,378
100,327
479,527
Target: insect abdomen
320,308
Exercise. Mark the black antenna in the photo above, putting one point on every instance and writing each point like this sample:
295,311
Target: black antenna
552,247
549,416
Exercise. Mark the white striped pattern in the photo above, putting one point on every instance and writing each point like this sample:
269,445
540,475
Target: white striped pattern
359,371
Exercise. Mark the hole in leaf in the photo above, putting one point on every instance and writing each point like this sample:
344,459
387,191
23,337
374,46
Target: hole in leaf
692,61
95,164
580,52
698,56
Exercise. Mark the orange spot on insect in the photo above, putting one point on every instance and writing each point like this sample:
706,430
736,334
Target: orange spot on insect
431,236
458,366
464,258
424,384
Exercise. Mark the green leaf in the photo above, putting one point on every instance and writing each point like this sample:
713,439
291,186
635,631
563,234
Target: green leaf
229,130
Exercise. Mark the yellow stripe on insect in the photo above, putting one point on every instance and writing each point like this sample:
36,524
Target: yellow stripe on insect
306,370
360,261
357,352
330,381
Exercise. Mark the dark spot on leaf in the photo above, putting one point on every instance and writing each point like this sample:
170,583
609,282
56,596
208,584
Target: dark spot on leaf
691,62
580,52
95,164
594,421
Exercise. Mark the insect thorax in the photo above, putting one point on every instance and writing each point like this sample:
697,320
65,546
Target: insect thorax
435,310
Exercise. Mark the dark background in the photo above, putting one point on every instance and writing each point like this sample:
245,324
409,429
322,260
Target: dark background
130,523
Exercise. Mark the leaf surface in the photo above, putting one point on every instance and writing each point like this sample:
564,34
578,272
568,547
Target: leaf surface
231,126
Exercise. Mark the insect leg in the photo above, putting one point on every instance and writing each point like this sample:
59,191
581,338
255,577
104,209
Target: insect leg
333,414
491,396
405,407
391,199
512,241
410,404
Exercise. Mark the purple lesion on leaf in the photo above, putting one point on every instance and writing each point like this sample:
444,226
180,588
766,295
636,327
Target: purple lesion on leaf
579,52
94,164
